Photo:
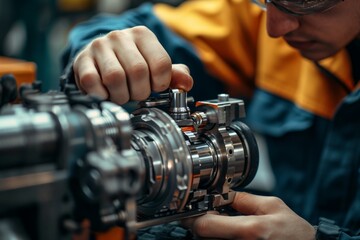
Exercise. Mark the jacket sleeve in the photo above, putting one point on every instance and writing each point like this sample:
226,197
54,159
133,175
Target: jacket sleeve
102,24
344,236
327,229
179,49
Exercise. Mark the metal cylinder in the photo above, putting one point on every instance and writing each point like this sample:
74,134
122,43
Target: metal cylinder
27,139
204,164
169,163
178,108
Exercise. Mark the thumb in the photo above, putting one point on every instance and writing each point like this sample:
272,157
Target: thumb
189,221
181,77
251,204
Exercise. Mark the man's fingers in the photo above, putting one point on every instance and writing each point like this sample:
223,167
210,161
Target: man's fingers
157,58
225,227
188,222
128,65
250,204
113,76
132,61
88,78
181,77
264,218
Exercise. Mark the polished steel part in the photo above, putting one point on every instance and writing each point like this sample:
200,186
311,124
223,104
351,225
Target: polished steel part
178,108
161,163
193,160
171,166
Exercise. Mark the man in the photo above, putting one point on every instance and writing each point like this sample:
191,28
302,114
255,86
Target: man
297,64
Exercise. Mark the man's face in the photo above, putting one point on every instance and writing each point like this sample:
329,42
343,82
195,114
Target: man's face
318,35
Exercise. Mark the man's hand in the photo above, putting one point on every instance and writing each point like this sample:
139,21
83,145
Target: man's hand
263,218
128,65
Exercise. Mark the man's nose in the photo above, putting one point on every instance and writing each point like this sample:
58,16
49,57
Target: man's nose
280,23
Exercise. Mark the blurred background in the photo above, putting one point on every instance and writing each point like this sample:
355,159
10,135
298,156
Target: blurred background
36,30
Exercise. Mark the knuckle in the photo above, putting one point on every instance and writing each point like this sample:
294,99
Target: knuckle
88,81
117,35
275,201
113,77
142,33
140,30
97,43
163,63
138,70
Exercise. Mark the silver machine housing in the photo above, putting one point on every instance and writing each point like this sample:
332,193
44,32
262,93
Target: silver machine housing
160,163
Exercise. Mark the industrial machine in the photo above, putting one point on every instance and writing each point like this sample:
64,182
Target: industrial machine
70,161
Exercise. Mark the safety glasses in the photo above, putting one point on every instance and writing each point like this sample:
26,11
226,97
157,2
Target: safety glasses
299,7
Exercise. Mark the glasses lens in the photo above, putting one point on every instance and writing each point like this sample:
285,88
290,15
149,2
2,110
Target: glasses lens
299,7
303,7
